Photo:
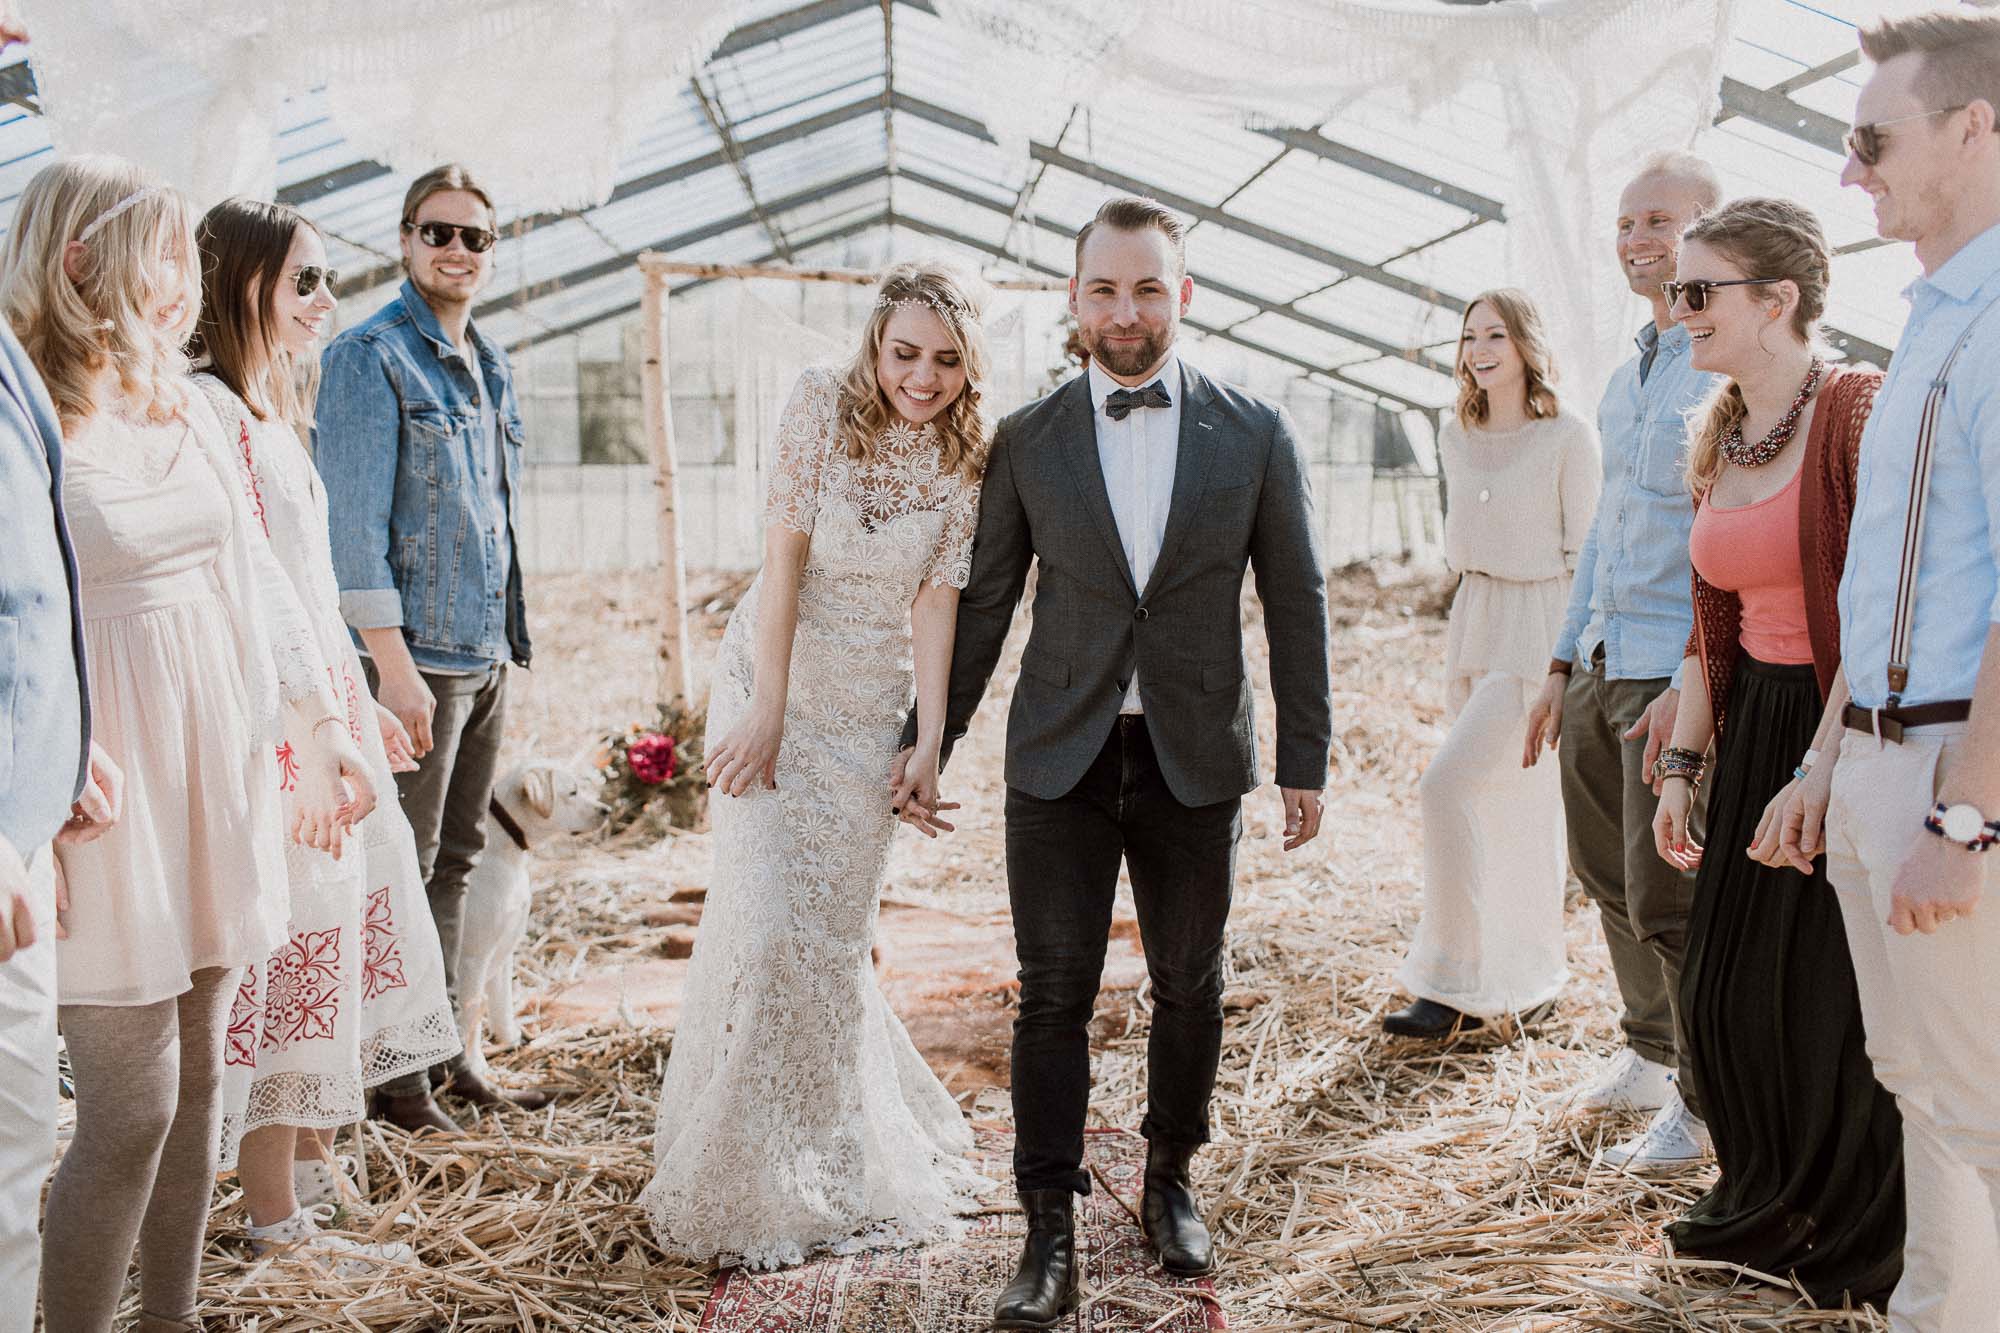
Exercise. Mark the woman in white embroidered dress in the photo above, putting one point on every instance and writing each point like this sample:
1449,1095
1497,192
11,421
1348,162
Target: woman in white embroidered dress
796,1114
355,995
1524,475
200,662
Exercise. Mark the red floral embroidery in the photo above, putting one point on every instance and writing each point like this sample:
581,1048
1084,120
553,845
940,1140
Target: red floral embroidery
381,951
303,990
245,1015
288,767
344,687
250,487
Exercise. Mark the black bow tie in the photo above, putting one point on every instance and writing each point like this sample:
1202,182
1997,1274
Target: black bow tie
1121,402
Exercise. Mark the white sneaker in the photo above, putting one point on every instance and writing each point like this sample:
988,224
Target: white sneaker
346,1258
1630,1083
318,1182
1674,1141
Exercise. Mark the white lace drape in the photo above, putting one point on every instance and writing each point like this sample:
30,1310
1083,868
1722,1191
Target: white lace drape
539,99
1586,87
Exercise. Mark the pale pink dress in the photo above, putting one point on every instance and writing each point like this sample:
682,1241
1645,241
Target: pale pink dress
355,994
193,639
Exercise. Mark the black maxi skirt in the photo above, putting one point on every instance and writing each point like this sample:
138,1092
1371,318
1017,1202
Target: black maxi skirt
1810,1145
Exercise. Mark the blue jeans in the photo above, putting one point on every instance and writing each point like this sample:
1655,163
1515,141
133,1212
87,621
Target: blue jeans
1062,873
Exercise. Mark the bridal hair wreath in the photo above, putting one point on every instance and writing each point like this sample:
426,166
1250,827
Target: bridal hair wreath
958,299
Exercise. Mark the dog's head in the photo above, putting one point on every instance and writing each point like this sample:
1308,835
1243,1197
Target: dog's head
548,800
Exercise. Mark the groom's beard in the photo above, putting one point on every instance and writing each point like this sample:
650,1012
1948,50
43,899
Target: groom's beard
1132,360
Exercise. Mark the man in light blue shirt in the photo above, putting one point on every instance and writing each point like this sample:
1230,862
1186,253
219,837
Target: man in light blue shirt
1611,692
1909,773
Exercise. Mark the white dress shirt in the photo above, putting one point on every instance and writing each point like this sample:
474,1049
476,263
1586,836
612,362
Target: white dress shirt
1958,571
1137,456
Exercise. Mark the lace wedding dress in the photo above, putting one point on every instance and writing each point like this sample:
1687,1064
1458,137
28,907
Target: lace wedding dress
796,1115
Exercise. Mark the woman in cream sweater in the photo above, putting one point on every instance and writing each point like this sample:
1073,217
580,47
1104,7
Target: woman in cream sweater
1523,476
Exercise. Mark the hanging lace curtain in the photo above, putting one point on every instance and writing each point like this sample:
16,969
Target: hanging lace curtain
1587,88
539,99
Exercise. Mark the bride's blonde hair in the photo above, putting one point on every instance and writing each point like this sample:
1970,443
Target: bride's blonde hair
959,301
135,254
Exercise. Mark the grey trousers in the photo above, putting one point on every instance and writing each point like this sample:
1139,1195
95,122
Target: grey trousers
1608,804
445,800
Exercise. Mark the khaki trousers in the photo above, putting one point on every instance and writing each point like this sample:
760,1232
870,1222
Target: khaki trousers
1931,1007
1608,805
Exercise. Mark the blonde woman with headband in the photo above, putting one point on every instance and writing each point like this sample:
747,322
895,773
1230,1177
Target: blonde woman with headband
202,674
796,1115
1523,476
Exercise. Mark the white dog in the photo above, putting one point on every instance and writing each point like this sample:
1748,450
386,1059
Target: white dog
533,803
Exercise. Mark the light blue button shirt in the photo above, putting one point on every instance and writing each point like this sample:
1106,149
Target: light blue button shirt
1956,578
1631,590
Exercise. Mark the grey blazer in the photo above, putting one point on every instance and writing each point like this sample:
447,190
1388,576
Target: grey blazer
1240,498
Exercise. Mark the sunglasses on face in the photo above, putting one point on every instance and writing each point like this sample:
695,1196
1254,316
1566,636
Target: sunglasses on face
312,277
437,235
1695,291
1865,141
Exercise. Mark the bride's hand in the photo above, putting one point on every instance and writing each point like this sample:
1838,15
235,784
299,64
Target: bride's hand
914,792
748,754
334,792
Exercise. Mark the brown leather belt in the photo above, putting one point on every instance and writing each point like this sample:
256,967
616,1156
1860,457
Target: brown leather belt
1893,720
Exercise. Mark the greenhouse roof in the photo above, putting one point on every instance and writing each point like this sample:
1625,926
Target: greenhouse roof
816,122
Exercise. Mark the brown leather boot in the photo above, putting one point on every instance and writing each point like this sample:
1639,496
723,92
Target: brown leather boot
414,1112
462,1082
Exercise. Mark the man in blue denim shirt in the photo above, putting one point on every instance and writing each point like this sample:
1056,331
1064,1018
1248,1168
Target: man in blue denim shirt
419,442
1612,690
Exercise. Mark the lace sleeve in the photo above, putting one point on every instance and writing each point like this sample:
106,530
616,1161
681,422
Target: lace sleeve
803,439
951,562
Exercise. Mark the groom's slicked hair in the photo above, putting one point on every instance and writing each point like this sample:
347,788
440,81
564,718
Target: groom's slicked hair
1133,212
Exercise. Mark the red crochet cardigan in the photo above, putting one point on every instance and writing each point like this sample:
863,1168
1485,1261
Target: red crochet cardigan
1826,507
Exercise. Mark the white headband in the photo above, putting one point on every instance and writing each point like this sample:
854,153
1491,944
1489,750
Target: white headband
945,309
137,196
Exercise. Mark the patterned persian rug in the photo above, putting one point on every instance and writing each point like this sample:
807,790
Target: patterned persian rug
951,1288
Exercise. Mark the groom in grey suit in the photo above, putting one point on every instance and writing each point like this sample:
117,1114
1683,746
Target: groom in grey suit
1143,489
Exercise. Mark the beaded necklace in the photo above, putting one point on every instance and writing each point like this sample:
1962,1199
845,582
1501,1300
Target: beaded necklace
1743,454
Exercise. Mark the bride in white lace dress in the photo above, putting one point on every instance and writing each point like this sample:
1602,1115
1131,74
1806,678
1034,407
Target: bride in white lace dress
796,1114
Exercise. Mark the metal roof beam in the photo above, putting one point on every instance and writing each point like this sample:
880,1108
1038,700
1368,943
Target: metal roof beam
653,180
1412,354
1330,150
840,233
1180,203
1290,358
708,231
793,21
733,151
1773,110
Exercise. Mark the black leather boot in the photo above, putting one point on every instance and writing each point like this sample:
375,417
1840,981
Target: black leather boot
1428,1018
1168,1212
1045,1287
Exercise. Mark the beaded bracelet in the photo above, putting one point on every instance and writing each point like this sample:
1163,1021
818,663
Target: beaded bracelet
330,717
1678,761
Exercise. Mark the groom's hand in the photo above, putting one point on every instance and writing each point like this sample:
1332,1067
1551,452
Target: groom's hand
1302,811
914,797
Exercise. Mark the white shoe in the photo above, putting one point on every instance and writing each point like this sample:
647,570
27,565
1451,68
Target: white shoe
317,1182
1674,1141
347,1258
1630,1083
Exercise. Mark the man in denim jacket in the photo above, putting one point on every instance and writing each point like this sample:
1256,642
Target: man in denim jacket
419,443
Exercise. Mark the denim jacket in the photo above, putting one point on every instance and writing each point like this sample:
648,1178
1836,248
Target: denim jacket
398,442
44,694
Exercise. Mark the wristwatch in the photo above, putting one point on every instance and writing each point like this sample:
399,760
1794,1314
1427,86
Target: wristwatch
1963,824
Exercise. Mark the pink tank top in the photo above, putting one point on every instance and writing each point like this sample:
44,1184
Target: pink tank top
1753,551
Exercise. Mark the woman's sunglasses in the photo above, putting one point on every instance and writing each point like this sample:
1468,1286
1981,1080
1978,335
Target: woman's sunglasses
1865,141
312,277
1695,291
437,235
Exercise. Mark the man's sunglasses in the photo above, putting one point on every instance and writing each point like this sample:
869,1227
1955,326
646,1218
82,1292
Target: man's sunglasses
312,277
1865,141
1695,291
437,235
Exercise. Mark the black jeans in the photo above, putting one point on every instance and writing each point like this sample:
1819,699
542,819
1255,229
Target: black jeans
1062,872
445,800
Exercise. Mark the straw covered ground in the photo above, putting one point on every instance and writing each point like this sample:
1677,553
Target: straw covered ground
1356,1182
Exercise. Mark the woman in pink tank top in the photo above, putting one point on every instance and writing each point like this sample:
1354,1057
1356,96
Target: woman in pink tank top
1808,1142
